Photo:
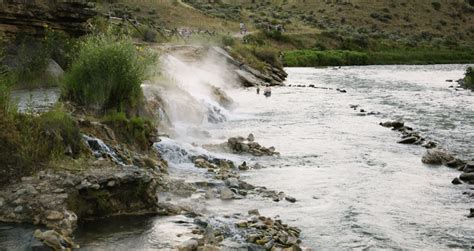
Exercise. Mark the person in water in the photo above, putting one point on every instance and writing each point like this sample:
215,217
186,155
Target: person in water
258,89
267,91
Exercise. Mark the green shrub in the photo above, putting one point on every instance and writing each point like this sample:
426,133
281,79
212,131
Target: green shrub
268,54
6,81
149,35
276,35
136,131
245,54
10,138
309,58
228,41
29,141
436,5
253,40
107,73
59,133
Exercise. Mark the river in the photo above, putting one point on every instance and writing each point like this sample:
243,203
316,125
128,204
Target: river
355,186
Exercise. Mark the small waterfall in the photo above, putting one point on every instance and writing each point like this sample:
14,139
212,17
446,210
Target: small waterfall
101,150
177,152
187,93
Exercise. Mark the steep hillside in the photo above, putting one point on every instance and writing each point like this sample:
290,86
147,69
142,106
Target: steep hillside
413,23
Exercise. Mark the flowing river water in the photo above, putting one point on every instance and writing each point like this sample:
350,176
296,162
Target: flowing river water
355,186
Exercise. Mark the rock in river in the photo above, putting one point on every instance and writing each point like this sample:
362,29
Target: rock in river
456,181
437,157
189,245
226,194
408,140
467,177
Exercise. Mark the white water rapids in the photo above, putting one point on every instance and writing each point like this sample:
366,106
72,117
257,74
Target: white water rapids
355,186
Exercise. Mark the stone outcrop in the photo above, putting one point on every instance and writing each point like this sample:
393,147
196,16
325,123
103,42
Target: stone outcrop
408,135
58,199
248,145
253,232
434,154
249,76
437,157
33,16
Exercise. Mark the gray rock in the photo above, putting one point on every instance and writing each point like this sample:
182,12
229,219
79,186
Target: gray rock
226,194
189,245
18,209
455,163
54,215
54,70
244,147
469,167
95,186
408,140
254,212
2,201
243,166
468,177
251,138
456,181
248,79
54,240
232,182
437,157
84,184
290,199
393,124
471,213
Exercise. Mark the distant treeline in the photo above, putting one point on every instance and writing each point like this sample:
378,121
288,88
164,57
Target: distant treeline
312,58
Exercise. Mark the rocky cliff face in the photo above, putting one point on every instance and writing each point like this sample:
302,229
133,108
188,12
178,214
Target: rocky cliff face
32,16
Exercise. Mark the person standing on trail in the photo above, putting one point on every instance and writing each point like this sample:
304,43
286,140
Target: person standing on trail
243,30
258,89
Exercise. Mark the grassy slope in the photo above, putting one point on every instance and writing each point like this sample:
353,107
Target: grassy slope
388,31
170,14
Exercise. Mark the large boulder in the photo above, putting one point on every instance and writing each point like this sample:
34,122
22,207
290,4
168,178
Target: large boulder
437,157
467,177
59,199
469,167
248,80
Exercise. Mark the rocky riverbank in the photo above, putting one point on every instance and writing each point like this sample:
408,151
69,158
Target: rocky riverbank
109,178
436,155
260,233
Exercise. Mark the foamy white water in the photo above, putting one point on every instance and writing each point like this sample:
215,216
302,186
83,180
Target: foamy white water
355,186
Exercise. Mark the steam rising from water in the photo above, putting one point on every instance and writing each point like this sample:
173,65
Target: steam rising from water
186,91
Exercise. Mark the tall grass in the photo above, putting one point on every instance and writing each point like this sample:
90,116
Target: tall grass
107,73
28,142
34,54
311,58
